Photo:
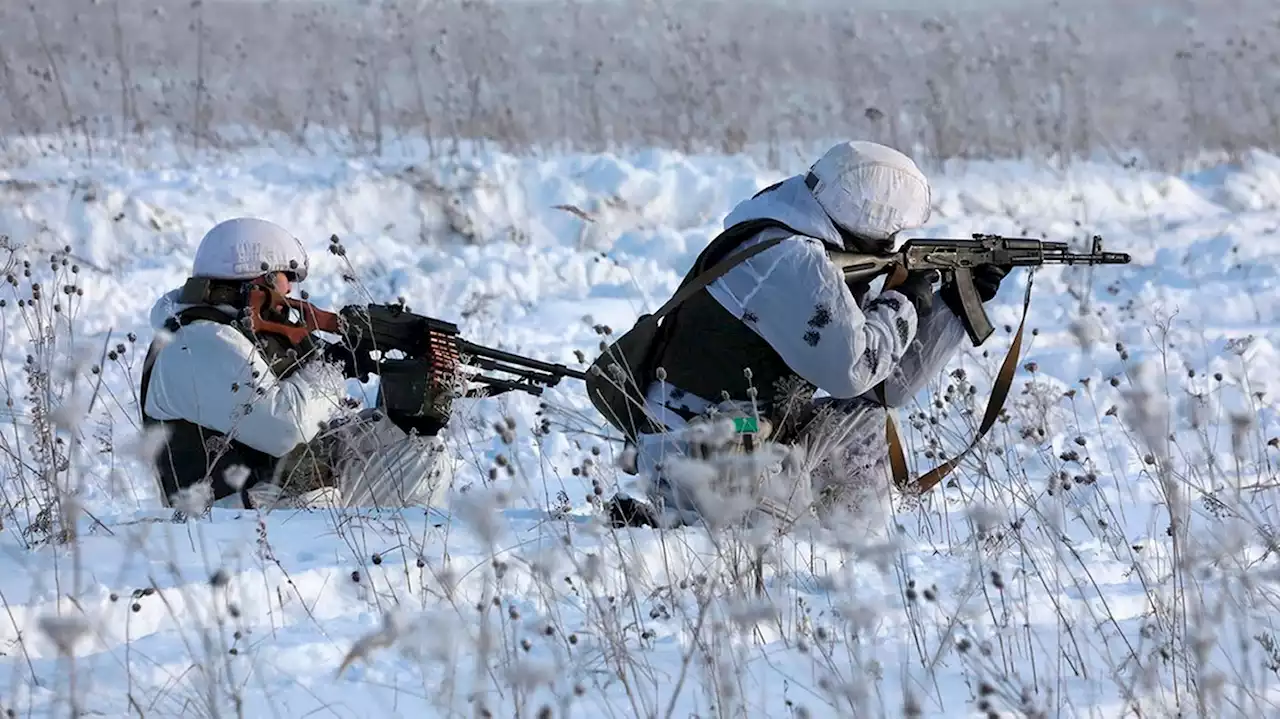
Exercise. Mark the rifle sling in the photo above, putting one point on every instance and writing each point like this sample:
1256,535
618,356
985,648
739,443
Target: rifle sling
999,393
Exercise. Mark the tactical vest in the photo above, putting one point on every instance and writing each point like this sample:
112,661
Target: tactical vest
194,453
705,349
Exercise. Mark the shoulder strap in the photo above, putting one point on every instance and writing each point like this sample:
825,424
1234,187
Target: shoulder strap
718,270
199,312
173,324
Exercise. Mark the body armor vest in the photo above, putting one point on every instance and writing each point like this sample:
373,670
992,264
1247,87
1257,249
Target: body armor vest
705,349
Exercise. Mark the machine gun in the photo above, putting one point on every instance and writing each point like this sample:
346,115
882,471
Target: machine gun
419,386
956,260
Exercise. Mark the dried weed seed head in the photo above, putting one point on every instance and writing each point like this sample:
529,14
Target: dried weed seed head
65,632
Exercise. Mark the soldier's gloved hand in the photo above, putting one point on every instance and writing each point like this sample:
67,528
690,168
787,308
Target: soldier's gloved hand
986,280
338,353
308,348
918,288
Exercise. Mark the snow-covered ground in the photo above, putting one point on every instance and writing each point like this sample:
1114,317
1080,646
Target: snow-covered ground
1080,564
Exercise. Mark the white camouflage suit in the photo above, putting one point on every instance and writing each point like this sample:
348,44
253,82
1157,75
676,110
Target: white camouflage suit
795,298
207,373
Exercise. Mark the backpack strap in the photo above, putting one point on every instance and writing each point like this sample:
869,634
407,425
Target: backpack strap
173,324
691,287
199,312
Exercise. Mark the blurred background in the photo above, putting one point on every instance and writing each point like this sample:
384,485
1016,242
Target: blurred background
1156,82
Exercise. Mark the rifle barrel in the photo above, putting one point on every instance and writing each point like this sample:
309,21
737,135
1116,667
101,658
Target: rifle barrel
1091,258
536,375
498,385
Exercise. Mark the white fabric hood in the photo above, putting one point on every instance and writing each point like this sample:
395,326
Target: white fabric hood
871,191
790,203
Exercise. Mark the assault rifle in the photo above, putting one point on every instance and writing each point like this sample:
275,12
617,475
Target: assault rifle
956,260
419,386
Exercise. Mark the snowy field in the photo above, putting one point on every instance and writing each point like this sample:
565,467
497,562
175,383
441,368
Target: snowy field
1109,552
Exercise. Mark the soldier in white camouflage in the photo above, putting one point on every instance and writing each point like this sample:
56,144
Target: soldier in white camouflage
258,421
783,324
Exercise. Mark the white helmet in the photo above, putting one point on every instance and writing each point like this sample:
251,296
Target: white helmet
869,190
244,248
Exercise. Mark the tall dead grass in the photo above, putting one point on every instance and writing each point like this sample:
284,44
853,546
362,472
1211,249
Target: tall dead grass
1039,79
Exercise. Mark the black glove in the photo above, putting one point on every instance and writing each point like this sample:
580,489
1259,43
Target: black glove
627,512
352,366
918,288
306,350
986,279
